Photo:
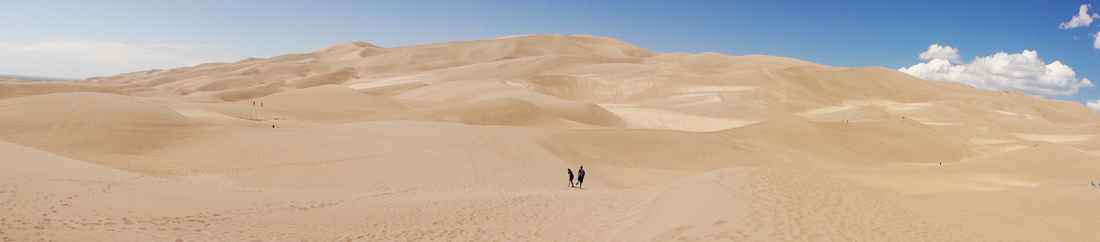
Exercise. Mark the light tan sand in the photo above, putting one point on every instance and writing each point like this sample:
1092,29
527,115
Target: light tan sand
469,141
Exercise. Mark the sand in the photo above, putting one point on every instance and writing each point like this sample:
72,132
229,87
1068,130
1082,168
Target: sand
470,140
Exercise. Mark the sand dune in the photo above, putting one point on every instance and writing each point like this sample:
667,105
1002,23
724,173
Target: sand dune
755,204
13,88
469,141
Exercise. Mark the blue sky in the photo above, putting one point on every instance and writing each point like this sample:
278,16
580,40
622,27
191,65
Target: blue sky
80,39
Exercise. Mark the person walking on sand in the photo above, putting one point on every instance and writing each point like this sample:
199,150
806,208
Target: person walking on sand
570,177
580,177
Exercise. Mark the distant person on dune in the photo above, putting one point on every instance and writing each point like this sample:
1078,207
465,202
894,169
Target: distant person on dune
570,176
580,177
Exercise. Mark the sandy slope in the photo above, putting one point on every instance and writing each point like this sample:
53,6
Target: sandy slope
469,141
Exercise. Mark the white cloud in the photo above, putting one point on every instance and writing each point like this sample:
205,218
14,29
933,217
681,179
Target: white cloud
1082,18
1023,72
7,46
935,51
1096,43
1093,104
183,47
87,58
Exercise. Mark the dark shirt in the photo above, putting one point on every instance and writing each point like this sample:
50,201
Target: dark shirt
580,174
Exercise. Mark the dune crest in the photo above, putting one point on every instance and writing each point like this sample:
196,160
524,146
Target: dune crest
469,141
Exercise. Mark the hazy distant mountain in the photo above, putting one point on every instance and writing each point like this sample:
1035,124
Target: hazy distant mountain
36,78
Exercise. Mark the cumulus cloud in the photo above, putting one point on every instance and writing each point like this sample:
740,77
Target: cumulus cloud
1023,72
87,58
1094,105
935,51
1096,43
1082,19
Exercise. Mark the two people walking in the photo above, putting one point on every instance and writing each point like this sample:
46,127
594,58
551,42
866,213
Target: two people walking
580,177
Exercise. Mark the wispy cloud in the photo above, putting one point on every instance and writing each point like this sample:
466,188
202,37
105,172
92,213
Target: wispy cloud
86,58
183,47
1023,72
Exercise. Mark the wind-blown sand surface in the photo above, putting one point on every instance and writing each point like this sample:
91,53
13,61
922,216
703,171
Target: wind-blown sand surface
469,141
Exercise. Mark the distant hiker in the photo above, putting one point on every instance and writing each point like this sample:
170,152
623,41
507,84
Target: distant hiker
261,104
941,163
580,177
570,177
253,103
273,126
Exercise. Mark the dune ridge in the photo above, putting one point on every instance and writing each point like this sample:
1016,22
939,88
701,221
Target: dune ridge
469,141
